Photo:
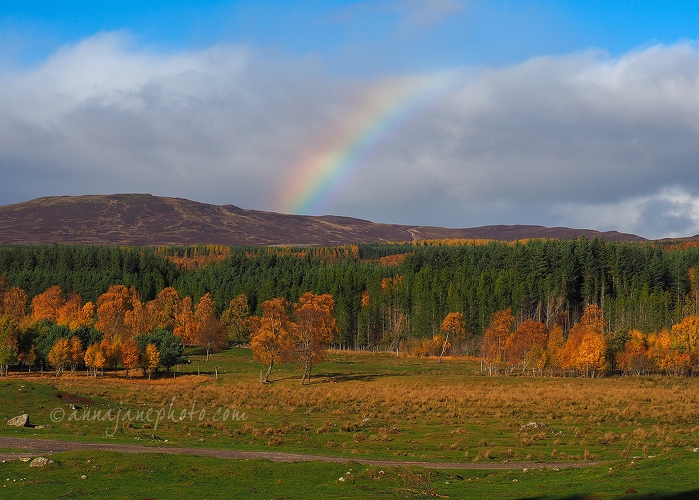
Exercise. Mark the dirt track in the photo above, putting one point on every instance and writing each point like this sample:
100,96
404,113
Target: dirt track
36,447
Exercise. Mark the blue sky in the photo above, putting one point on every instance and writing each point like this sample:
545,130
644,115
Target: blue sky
576,113
402,35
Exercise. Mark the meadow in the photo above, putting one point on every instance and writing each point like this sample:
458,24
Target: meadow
641,431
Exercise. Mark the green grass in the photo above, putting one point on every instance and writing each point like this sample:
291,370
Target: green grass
167,476
378,406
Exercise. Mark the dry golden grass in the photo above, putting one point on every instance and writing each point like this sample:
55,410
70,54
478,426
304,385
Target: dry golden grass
432,411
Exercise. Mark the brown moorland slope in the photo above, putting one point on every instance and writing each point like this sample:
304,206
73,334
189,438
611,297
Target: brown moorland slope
146,220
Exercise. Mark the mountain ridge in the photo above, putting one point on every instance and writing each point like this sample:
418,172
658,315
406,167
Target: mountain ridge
147,220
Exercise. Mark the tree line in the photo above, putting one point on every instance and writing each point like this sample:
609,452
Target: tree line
589,349
120,329
60,329
387,296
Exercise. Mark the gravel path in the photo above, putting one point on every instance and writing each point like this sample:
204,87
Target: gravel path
36,447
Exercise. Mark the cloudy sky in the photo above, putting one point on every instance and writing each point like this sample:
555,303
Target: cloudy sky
454,113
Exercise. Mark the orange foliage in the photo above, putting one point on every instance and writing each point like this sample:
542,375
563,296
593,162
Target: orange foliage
680,246
526,347
59,355
427,347
667,354
46,305
76,353
94,358
584,351
129,356
686,335
391,260
69,313
194,258
164,308
452,242
185,327
111,352
87,314
111,313
635,358
137,319
554,349
315,329
208,331
366,299
495,339
151,359
271,340
454,328
14,304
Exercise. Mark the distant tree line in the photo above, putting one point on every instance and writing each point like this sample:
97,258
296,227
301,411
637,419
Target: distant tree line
388,294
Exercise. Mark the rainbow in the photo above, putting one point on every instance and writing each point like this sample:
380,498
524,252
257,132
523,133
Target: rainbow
321,172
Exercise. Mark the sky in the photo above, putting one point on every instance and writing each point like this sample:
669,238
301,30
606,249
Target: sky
454,113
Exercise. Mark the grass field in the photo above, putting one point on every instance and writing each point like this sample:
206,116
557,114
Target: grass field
642,430
166,476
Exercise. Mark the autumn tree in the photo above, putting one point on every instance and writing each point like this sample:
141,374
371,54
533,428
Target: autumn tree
111,352
666,354
525,348
163,309
209,332
635,358
170,351
150,359
111,313
137,319
14,304
46,305
685,339
8,343
94,359
69,312
554,349
235,320
454,328
86,317
495,339
271,339
129,356
185,327
59,355
315,329
75,349
584,351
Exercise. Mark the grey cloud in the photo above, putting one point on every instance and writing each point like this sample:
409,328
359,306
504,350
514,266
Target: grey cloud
581,140
217,126
581,130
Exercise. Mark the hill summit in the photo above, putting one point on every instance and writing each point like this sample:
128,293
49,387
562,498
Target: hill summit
146,220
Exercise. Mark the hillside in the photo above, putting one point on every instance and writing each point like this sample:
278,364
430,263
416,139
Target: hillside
144,220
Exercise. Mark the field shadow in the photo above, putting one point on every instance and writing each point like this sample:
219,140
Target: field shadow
363,377
335,377
349,377
631,493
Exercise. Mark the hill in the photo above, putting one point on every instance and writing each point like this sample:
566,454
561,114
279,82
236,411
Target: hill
146,220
